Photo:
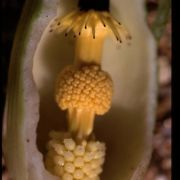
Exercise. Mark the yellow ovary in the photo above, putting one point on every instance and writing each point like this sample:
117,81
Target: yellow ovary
78,168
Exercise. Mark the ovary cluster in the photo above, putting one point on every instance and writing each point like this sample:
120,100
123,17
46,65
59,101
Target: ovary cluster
71,160
88,87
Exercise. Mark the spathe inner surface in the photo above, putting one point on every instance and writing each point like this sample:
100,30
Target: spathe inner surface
123,128
50,58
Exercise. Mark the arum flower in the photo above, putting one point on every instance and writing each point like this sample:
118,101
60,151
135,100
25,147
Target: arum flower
39,54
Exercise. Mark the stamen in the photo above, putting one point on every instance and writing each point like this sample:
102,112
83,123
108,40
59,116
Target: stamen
56,25
93,27
73,22
113,28
101,18
116,21
86,20
69,16
77,20
93,30
77,28
123,29
83,19
60,29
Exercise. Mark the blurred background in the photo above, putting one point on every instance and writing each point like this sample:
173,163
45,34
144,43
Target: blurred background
160,165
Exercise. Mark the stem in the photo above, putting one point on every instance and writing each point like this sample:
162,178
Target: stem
81,121
88,49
